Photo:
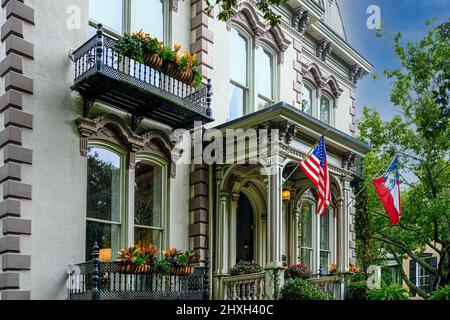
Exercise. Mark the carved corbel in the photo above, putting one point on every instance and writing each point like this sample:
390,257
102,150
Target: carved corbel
348,160
355,73
324,48
300,20
288,130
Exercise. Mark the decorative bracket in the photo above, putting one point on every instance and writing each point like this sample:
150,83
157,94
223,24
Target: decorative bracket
324,48
300,20
355,73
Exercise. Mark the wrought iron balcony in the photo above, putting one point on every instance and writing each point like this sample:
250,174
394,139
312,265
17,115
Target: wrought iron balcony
106,281
144,92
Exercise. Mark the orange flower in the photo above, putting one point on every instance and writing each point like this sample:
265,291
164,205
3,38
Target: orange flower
176,47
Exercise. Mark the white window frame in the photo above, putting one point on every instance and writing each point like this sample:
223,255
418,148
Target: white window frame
274,77
123,219
332,107
126,22
308,84
316,238
155,161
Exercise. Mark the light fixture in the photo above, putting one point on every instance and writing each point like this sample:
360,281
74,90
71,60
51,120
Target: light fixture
286,195
105,254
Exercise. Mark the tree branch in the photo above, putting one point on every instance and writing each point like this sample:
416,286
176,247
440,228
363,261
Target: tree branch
384,238
408,282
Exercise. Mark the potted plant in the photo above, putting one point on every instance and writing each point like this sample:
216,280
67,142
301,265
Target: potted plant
297,271
140,47
245,267
181,263
140,260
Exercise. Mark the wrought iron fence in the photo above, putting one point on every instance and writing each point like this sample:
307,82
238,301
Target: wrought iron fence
98,55
98,280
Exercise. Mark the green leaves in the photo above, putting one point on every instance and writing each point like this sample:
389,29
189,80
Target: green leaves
421,138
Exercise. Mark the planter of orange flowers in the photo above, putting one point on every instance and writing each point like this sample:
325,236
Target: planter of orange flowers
138,260
143,48
181,263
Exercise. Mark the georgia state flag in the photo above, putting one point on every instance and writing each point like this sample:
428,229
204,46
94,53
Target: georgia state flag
388,189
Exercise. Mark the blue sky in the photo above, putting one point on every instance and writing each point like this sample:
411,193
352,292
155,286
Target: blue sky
406,16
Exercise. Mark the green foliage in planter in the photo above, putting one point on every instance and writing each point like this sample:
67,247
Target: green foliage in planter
357,291
167,54
442,293
299,289
245,267
392,292
130,45
297,271
163,267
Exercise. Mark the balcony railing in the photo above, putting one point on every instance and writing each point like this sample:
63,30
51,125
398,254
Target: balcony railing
101,74
327,284
98,280
244,287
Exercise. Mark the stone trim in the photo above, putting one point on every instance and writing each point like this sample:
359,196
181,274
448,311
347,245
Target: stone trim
15,155
18,262
203,37
14,226
10,208
9,281
12,26
9,244
16,295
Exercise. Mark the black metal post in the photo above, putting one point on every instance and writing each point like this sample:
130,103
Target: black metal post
206,278
99,48
95,273
208,98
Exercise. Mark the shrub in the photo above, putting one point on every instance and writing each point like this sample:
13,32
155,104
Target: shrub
391,292
297,271
299,289
357,291
245,267
442,293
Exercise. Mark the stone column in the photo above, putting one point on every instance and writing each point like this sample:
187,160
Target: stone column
232,226
341,244
222,239
274,266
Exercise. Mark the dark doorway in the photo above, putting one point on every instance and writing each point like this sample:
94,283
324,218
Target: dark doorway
244,230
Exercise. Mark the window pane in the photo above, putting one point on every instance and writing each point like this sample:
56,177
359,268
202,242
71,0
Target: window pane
106,236
307,99
325,104
103,185
238,58
324,260
306,257
237,102
107,12
148,15
306,226
264,73
145,236
325,231
148,195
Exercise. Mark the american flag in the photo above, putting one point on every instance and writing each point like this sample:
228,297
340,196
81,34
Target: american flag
316,169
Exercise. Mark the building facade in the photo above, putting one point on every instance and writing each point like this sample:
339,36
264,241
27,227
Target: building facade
86,157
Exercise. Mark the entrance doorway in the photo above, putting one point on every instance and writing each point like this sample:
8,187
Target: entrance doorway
245,226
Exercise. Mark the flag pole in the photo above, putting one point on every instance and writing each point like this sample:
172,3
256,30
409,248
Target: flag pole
307,155
365,184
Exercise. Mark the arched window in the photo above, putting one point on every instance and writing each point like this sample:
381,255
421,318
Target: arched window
316,238
239,73
307,98
149,202
264,68
104,212
120,16
325,109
